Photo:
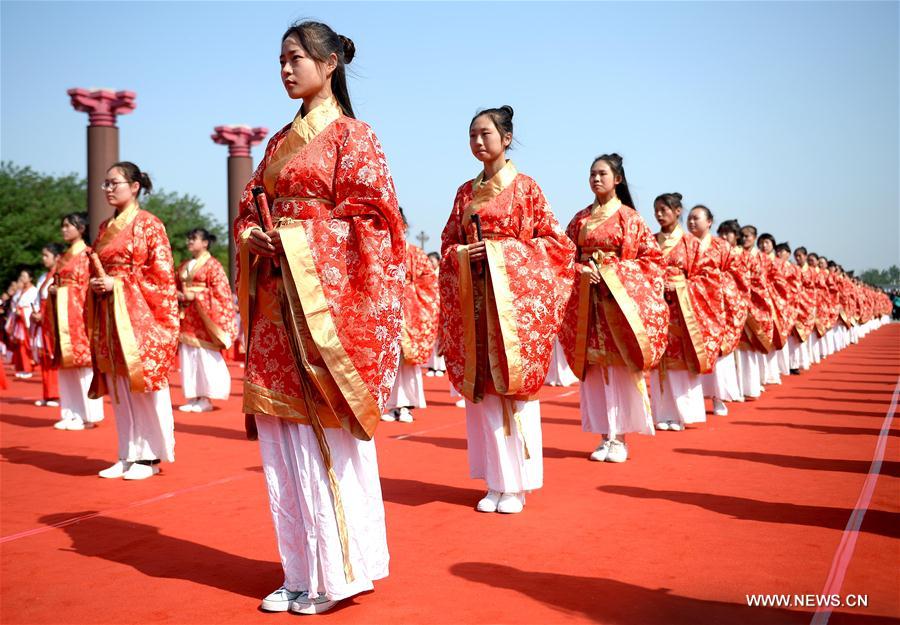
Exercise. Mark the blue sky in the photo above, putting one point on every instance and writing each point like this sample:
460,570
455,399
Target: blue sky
784,115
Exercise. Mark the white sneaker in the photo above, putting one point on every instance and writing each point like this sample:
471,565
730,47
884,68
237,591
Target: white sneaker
52,403
675,426
439,374
662,425
511,503
312,606
719,407
405,415
138,471
39,402
280,600
204,405
389,416
601,452
429,374
489,502
191,406
75,425
461,403
618,452
62,424
116,470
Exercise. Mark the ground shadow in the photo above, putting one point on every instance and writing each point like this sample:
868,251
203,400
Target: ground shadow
613,602
878,522
889,468
28,422
824,429
829,411
415,493
145,549
210,430
560,421
885,401
460,443
52,461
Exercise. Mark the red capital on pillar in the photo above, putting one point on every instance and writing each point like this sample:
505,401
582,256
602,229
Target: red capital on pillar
102,105
239,139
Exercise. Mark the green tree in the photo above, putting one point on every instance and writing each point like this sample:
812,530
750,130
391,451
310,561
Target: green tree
884,277
32,205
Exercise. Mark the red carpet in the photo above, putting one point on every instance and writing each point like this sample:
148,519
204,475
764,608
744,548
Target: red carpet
752,503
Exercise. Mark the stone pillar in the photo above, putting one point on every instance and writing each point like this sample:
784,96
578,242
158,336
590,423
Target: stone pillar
102,107
239,140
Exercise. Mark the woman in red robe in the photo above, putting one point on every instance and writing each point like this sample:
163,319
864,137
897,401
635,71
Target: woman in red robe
759,330
207,324
132,322
776,283
320,292
420,327
505,276
65,320
818,346
42,339
722,383
696,316
616,322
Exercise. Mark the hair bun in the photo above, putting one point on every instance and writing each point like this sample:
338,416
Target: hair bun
349,48
679,196
508,109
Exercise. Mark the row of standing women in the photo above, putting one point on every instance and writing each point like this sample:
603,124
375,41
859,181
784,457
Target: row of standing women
322,271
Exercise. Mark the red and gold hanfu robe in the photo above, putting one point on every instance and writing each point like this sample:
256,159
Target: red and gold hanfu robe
134,330
823,303
333,202
805,303
207,321
696,307
849,302
420,307
500,319
66,309
760,328
625,320
734,287
783,314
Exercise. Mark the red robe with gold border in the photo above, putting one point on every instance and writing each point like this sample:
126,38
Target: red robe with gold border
207,321
66,310
735,290
805,303
420,307
760,328
500,319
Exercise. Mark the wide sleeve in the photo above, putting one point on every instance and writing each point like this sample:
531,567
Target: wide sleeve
216,305
450,334
704,287
420,308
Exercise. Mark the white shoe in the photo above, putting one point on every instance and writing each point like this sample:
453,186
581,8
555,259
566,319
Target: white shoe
191,406
62,424
280,600
429,374
601,452
461,403
439,374
52,403
204,405
312,606
489,502
405,415
662,425
618,452
675,426
39,402
116,470
511,503
139,471
719,407
75,425
389,416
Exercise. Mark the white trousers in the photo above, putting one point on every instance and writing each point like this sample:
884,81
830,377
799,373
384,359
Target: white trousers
303,513
770,370
144,422
620,407
784,360
854,334
559,373
499,459
722,382
435,362
408,388
73,400
748,364
677,396
799,352
203,373
830,343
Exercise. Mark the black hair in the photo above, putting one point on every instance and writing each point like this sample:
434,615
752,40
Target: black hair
765,236
79,221
831,264
801,249
672,200
403,217
503,120
812,254
434,255
618,169
783,247
320,41
706,210
203,234
54,248
730,225
133,173
750,228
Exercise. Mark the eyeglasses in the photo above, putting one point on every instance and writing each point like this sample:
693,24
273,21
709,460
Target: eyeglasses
110,185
